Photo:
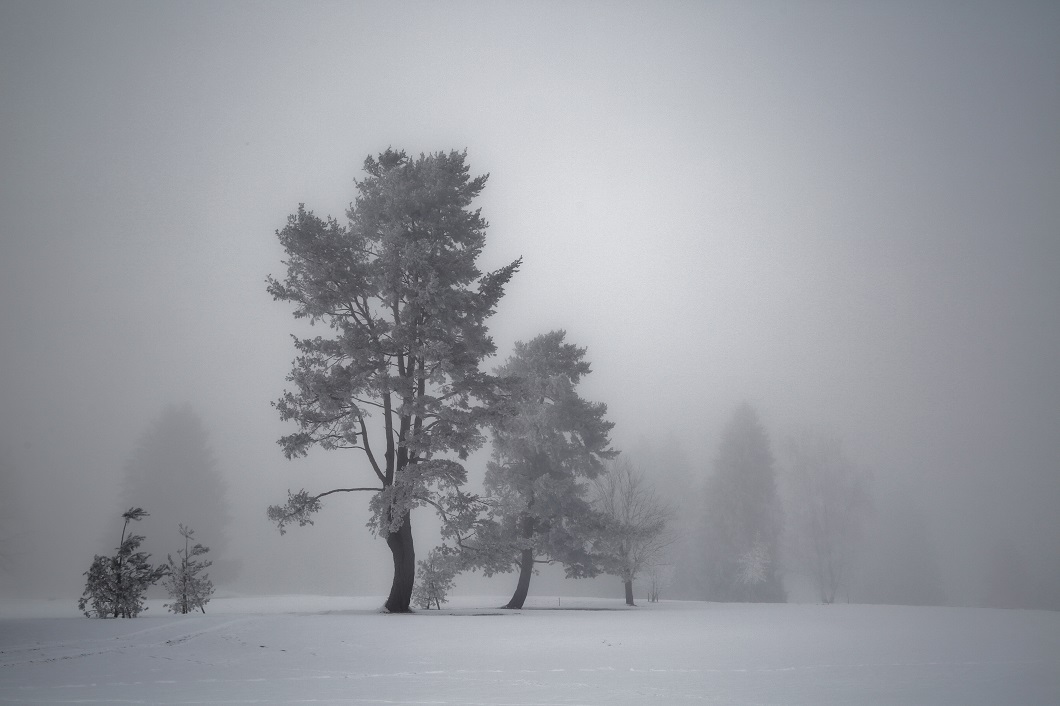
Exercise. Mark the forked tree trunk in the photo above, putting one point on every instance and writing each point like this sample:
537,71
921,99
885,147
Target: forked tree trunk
629,592
400,543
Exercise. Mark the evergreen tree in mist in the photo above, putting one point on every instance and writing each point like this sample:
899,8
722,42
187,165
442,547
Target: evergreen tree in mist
188,584
396,375
742,518
546,450
173,471
116,585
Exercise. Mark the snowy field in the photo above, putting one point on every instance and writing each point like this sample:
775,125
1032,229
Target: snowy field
324,650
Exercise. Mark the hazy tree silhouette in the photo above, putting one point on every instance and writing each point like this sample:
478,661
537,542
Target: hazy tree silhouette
742,516
828,502
173,471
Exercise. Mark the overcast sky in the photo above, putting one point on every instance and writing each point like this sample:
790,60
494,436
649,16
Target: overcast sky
847,214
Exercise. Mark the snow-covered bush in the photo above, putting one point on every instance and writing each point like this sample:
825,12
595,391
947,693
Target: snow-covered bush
434,579
116,584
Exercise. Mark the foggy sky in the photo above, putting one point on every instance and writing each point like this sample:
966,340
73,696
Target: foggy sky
845,214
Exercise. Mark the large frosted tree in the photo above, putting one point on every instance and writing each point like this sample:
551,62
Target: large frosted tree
396,377
742,516
546,449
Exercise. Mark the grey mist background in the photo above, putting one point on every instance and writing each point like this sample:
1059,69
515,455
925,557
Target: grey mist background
846,214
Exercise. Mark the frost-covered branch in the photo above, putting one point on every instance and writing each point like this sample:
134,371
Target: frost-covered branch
301,506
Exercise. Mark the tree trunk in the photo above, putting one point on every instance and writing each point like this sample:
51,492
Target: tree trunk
629,592
526,567
400,543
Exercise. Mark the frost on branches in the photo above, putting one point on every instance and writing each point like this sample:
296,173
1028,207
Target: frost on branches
754,564
635,524
435,578
116,584
546,448
187,582
396,377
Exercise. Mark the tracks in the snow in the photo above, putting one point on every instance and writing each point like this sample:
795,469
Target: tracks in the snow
170,633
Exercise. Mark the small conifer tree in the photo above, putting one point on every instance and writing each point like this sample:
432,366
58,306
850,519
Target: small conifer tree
116,584
186,581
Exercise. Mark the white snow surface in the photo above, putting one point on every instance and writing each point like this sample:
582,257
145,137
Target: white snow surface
331,650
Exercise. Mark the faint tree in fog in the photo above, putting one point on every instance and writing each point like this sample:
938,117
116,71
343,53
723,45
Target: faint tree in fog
174,472
667,467
659,576
637,524
546,448
742,516
397,377
754,564
188,584
116,585
827,505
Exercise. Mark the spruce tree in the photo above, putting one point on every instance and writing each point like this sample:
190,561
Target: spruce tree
116,585
187,582
742,516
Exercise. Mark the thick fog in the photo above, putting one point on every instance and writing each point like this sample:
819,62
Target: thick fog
846,215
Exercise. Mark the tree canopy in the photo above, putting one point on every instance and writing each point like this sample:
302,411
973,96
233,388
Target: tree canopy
545,449
397,377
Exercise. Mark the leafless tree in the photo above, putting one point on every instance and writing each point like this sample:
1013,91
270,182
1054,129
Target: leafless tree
828,501
636,524
660,575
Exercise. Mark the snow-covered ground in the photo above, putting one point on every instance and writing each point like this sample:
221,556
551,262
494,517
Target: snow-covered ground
326,650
